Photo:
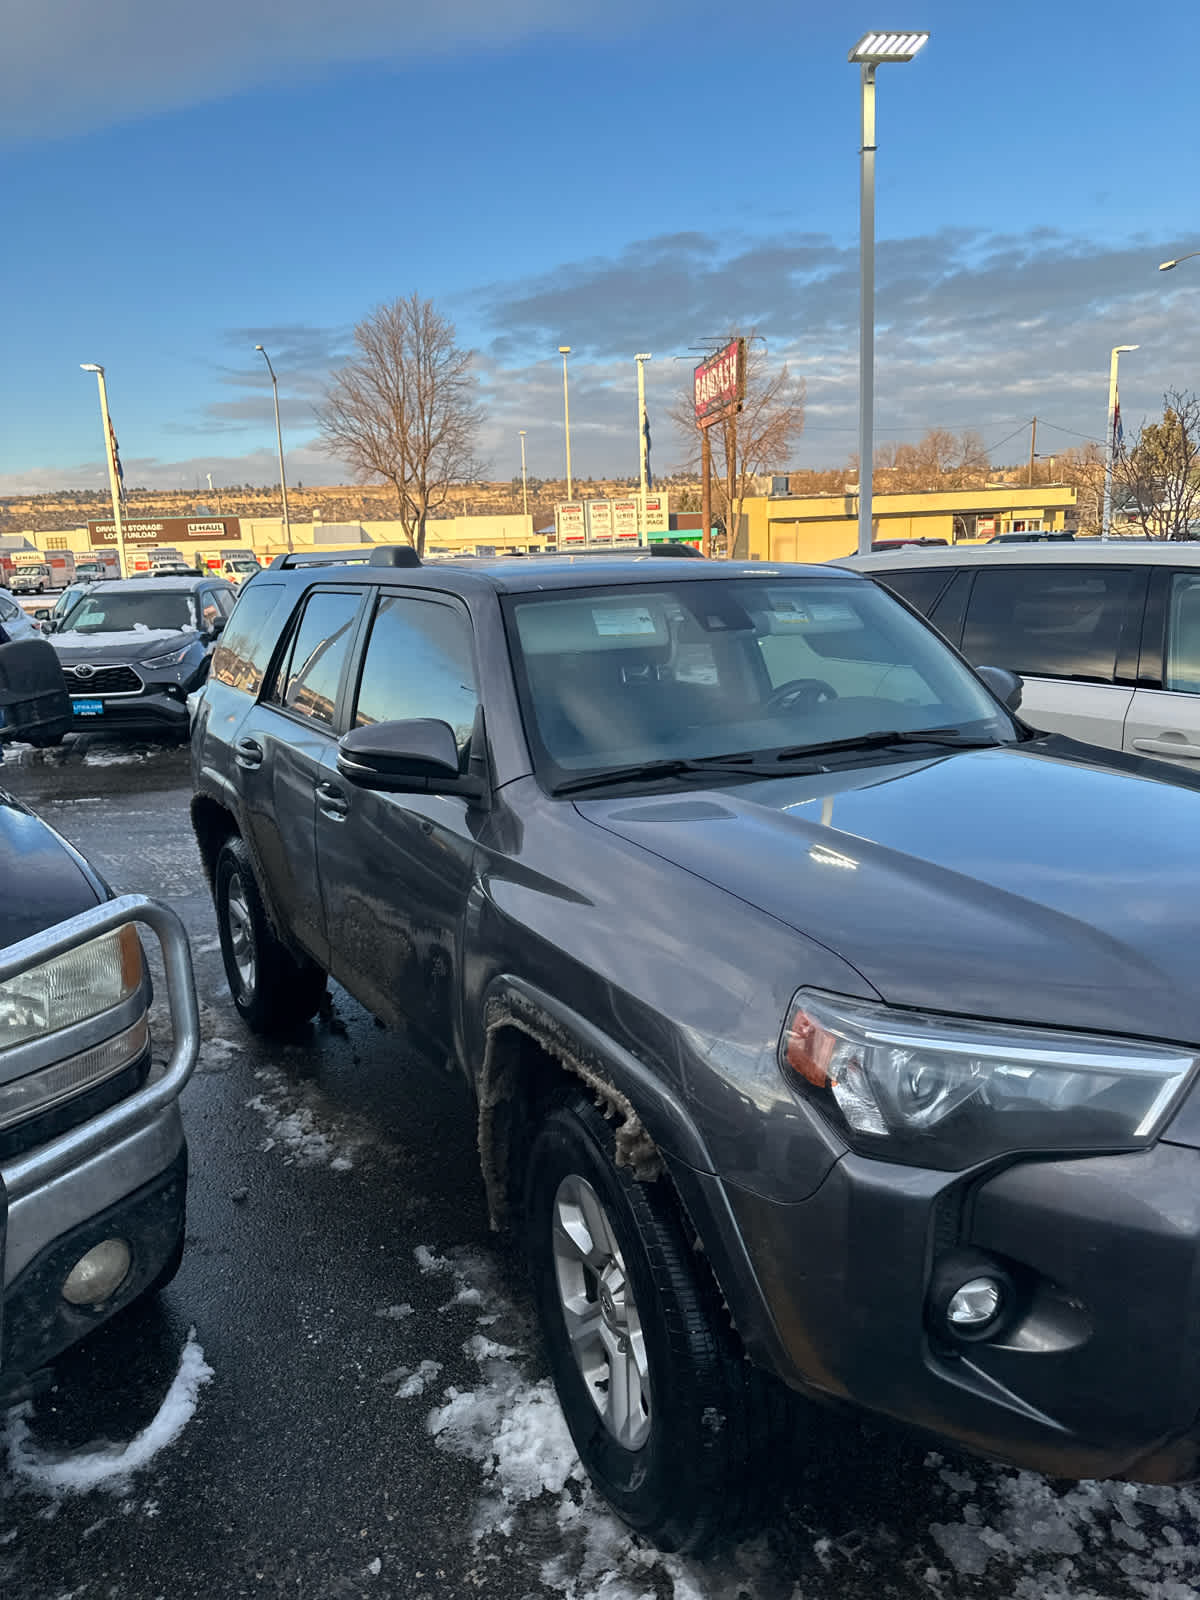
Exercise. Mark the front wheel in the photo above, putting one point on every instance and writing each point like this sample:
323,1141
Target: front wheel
676,1430
272,991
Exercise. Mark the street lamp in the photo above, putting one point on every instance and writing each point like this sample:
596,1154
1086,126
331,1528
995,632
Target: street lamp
1118,351
871,51
524,485
564,351
110,456
642,462
287,521
1166,266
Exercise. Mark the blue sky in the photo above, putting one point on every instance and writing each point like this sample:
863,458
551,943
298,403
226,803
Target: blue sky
182,183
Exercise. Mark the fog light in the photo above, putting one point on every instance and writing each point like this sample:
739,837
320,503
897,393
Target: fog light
98,1275
976,1303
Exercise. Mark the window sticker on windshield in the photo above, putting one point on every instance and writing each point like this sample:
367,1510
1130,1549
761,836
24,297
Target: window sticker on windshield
629,623
788,612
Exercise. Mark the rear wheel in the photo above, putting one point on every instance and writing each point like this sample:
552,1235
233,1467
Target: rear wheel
676,1429
272,991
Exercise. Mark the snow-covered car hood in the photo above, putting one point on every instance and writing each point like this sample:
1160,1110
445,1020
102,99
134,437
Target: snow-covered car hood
130,644
1002,883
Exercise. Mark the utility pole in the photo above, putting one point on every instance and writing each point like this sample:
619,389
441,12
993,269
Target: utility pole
287,521
641,375
110,456
1032,451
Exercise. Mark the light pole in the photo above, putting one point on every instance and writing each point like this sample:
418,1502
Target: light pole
870,51
524,483
641,371
287,521
564,351
1166,266
109,455
1110,450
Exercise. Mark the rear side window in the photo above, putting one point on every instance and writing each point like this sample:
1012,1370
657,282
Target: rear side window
240,660
920,589
308,677
1049,622
1183,635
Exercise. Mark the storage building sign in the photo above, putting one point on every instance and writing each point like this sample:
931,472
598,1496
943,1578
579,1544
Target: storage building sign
168,530
571,522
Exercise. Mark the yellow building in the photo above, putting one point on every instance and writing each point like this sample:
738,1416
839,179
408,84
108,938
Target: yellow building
824,526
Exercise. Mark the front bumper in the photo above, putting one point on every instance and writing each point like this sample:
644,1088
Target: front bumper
155,710
1097,1376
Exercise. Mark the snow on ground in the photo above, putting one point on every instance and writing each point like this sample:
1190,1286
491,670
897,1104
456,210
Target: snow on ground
107,1466
301,1126
1004,1534
113,758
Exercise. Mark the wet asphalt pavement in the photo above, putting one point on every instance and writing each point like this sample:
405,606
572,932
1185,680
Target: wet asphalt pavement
377,1420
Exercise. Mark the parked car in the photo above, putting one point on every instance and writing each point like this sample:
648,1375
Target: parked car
904,544
93,1161
818,1012
13,620
1106,637
133,649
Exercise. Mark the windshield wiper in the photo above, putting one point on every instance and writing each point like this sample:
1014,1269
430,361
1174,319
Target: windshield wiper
740,764
884,739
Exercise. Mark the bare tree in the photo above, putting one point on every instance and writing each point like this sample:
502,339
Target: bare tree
939,460
759,439
403,409
1082,468
1160,470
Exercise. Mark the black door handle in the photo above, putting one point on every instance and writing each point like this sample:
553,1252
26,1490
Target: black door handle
248,752
332,801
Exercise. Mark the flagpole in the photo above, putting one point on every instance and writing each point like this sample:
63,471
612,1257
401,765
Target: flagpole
110,455
1114,413
642,452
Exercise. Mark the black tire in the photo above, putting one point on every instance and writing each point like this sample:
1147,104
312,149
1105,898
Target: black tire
273,992
716,1431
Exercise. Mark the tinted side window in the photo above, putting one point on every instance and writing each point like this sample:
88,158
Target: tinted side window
419,663
226,600
241,657
1183,634
1050,622
920,589
307,681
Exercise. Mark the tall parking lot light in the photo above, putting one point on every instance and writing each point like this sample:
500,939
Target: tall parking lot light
643,464
1110,448
524,481
111,457
1166,266
871,51
564,351
287,521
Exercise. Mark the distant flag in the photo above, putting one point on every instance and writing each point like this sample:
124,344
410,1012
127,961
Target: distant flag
646,437
1118,430
116,455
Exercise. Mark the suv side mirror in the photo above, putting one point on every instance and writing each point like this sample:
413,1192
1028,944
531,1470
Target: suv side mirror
42,614
1005,685
415,757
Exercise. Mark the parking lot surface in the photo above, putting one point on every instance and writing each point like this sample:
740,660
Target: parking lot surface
341,1393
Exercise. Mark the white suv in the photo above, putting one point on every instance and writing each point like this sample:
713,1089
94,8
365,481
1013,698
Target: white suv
1105,635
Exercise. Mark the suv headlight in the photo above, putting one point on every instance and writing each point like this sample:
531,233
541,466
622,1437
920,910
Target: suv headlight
171,659
82,983
948,1092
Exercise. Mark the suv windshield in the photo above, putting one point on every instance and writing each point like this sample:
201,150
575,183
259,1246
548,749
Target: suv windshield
772,665
106,611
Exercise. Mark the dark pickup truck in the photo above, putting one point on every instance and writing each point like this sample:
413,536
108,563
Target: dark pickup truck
93,1163
832,1033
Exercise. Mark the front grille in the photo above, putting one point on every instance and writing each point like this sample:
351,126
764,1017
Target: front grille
103,680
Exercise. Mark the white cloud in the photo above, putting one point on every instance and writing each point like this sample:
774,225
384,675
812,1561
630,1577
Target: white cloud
67,66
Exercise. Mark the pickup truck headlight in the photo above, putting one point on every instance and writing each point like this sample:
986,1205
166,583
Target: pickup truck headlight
171,659
70,988
948,1092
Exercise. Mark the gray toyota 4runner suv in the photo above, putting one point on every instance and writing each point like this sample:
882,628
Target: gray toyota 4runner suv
832,1033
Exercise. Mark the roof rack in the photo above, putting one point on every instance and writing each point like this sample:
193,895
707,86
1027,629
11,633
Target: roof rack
378,555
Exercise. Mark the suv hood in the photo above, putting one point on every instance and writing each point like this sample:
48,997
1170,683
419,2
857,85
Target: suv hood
999,883
131,644
43,880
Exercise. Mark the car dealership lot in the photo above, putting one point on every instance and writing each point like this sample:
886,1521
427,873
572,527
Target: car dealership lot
340,1279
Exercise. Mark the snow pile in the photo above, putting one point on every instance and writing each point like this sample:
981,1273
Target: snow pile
109,1466
306,1137
413,1382
113,758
